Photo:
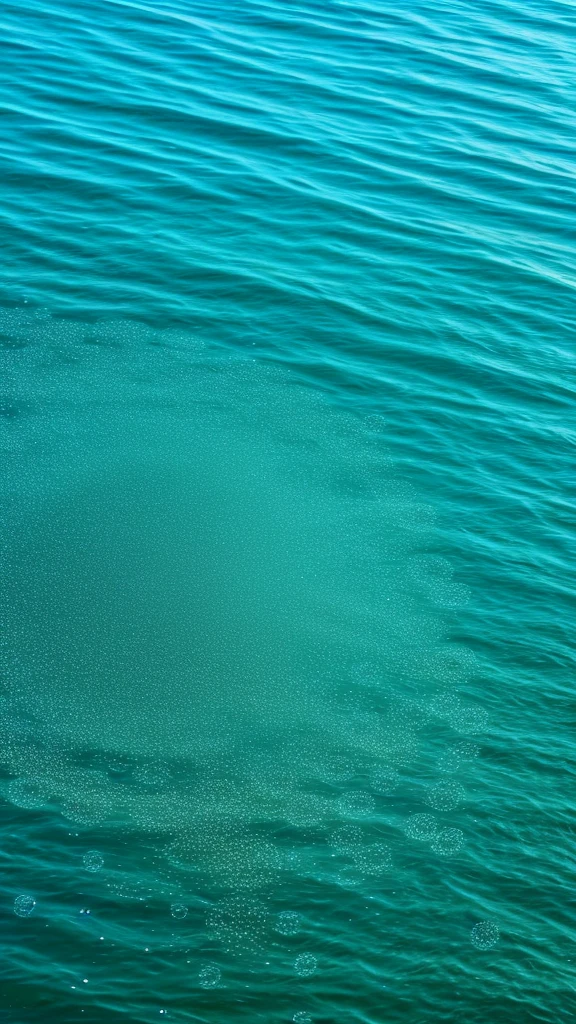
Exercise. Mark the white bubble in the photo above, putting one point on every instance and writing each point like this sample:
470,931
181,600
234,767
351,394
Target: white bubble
445,795
179,911
301,1017
93,860
209,976
485,934
24,905
288,922
421,826
448,841
305,965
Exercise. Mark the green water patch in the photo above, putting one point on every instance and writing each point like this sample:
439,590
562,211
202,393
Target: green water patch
224,629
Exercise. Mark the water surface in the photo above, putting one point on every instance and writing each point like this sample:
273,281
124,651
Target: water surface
287,333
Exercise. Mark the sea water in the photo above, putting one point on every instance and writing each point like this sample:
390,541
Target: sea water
287,437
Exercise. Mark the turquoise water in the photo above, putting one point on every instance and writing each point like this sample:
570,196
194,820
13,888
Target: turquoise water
287,313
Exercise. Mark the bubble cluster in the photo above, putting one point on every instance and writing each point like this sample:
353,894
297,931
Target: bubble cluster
445,795
209,976
448,842
237,635
93,860
179,911
287,923
26,793
239,923
305,965
422,827
220,848
301,1017
373,858
346,839
24,905
384,780
464,718
469,719
485,935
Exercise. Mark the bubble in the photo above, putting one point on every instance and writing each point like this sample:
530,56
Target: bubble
346,838
306,810
301,1017
445,704
83,811
223,849
239,923
384,780
24,905
422,827
291,859
305,965
209,976
26,793
375,422
179,911
447,842
485,935
373,859
356,804
93,860
445,795
287,923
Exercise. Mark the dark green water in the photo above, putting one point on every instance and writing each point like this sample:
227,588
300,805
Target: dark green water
287,486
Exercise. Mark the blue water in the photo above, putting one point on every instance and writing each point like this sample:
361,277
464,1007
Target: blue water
287,319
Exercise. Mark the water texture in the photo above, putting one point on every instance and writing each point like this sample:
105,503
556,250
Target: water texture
287,395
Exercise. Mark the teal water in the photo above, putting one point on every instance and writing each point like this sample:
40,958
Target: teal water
287,322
